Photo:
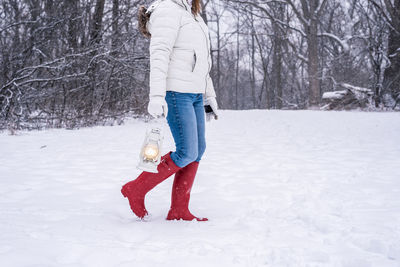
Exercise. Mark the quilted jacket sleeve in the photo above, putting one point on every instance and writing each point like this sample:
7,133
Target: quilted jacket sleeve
210,92
164,27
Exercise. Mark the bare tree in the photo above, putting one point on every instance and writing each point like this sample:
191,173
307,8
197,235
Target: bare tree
390,10
82,62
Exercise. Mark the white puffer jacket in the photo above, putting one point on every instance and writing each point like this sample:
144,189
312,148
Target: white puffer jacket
180,57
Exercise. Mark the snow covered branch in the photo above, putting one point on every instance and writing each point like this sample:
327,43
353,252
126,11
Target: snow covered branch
343,43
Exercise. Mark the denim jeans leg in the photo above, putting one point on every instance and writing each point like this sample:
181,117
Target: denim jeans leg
183,124
200,118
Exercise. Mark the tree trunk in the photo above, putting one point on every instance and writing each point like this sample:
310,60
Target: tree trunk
95,33
95,39
277,57
313,56
253,60
218,57
391,81
204,14
237,59
115,28
309,15
34,7
72,7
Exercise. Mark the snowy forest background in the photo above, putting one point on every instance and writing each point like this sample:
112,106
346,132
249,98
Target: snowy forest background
76,63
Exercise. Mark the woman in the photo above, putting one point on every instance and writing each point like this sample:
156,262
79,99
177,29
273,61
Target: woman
180,63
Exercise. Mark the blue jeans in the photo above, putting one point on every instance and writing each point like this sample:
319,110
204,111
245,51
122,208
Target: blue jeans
186,120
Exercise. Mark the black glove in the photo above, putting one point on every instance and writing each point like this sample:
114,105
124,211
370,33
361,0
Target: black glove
210,113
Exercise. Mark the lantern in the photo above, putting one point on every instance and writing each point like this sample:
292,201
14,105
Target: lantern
150,154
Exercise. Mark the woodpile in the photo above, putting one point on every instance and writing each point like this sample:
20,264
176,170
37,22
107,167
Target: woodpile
352,97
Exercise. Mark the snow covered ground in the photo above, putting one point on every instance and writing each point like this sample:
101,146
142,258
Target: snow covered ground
281,188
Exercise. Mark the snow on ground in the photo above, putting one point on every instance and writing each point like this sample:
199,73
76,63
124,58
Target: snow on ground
281,188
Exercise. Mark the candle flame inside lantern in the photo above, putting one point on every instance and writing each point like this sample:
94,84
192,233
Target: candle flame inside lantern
151,151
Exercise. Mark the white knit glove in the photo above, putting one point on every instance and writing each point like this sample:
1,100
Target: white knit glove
157,106
213,113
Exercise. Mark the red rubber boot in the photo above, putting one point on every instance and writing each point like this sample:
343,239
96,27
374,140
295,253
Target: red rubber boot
181,188
137,189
